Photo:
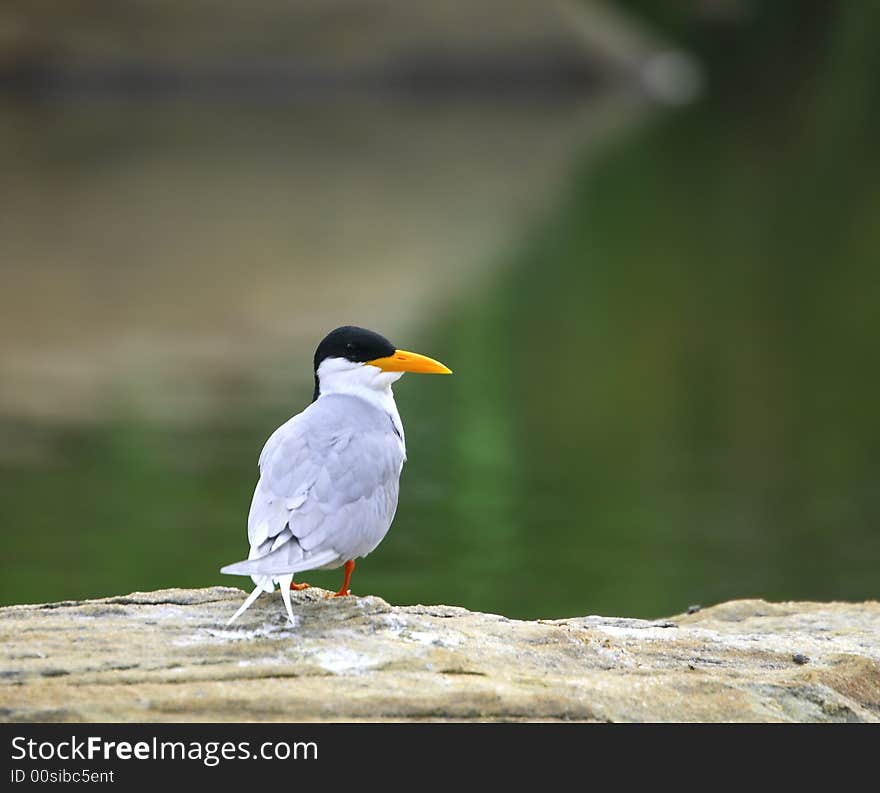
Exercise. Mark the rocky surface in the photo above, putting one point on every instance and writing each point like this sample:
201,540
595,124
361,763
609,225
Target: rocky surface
168,656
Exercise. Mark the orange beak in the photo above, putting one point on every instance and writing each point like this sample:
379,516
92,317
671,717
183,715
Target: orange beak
403,361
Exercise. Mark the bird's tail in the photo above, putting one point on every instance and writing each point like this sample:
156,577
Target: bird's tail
288,558
284,582
246,605
277,560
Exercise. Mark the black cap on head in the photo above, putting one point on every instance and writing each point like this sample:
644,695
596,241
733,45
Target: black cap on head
353,344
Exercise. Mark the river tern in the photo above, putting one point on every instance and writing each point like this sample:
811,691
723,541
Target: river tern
329,477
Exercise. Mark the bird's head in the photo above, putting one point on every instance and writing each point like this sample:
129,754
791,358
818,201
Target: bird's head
351,358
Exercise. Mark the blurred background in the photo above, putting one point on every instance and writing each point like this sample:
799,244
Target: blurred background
644,235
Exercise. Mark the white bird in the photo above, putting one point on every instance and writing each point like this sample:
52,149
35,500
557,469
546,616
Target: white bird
328,485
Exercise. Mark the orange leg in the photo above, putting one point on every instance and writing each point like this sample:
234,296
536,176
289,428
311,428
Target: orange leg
295,587
349,569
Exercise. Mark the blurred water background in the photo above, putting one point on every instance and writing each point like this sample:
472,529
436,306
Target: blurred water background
654,274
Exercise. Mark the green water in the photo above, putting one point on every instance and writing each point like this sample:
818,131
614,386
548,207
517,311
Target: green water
669,396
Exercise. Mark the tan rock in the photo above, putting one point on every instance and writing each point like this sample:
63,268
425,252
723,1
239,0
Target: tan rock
168,656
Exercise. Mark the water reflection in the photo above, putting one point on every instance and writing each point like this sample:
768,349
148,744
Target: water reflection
664,387
155,256
168,273
673,402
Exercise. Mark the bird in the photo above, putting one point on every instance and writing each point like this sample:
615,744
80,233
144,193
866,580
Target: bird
329,477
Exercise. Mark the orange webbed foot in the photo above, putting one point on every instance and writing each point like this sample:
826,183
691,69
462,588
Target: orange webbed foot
298,587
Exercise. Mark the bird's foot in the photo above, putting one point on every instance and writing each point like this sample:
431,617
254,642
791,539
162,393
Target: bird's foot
349,569
298,587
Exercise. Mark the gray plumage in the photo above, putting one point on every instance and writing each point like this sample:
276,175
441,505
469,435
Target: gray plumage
327,491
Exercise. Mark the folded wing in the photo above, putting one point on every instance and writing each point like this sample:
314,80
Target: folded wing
327,490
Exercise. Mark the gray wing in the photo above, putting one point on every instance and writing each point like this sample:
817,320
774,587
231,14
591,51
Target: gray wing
327,490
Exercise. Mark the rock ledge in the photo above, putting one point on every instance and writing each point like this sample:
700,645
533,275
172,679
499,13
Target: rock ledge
167,656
